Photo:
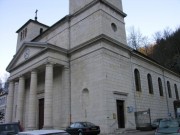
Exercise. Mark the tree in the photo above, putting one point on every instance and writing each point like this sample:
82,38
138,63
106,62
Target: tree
166,50
135,39
1,86
1,115
4,84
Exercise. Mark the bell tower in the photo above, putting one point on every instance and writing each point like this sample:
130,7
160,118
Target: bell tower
75,5
92,19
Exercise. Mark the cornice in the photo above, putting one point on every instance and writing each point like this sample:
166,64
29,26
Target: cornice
99,38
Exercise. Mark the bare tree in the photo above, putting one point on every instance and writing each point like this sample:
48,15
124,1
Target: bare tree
136,40
4,82
167,33
1,86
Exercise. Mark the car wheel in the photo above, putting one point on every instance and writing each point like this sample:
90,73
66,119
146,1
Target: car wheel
80,133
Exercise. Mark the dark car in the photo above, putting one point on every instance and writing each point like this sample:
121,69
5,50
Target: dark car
83,128
10,128
155,123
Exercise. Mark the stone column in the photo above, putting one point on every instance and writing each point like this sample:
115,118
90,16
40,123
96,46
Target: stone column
32,101
9,105
20,100
48,97
66,99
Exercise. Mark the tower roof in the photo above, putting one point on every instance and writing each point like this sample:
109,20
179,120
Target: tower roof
30,20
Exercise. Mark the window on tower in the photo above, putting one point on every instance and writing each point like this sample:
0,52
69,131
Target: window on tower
41,31
23,34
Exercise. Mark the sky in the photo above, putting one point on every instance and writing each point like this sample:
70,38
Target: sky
147,16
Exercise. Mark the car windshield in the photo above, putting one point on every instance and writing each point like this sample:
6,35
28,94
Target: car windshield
168,123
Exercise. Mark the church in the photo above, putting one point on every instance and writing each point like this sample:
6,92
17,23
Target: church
81,69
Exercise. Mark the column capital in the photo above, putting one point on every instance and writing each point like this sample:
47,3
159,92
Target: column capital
21,77
11,81
49,61
66,67
33,71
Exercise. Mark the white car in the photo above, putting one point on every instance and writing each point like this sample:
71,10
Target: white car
44,132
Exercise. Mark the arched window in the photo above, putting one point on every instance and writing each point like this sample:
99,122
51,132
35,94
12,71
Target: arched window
169,89
137,80
176,91
160,87
150,85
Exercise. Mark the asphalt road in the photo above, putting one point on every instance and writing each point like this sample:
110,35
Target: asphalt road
135,133
139,133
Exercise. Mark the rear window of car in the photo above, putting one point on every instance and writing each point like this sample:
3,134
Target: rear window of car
11,128
168,123
87,124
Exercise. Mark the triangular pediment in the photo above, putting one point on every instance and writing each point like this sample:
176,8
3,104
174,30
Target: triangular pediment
29,51
32,52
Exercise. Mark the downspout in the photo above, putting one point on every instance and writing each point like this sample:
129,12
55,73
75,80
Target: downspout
166,92
69,62
134,91
133,86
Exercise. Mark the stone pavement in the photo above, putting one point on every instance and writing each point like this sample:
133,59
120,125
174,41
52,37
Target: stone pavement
137,132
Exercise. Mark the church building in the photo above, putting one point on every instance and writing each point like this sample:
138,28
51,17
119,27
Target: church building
81,69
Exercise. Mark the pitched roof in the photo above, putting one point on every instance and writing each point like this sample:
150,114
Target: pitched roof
30,20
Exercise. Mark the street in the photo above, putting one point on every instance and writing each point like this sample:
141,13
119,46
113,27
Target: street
140,133
135,133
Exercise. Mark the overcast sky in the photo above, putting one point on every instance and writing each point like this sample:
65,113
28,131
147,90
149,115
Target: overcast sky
149,16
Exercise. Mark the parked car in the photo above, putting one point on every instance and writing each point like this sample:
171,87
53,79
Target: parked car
44,132
83,128
155,123
10,128
169,127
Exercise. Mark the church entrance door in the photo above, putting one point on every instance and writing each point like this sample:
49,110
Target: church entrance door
120,113
41,113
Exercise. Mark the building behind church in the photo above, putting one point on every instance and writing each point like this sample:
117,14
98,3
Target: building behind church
81,69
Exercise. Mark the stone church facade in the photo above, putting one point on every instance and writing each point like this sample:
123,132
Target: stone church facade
81,69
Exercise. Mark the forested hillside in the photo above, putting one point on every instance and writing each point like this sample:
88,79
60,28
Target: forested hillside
166,50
